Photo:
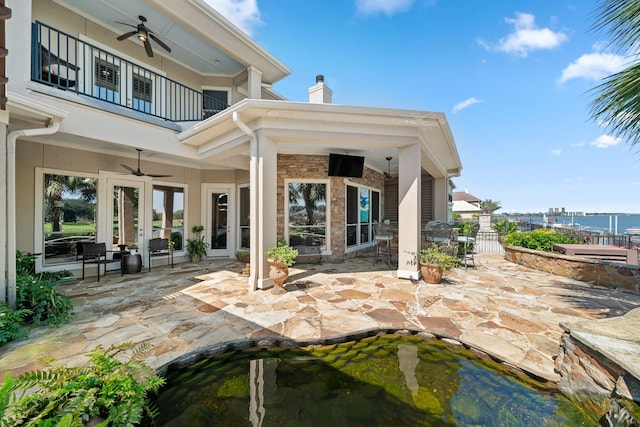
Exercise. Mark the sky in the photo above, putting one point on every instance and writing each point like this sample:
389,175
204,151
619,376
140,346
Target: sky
515,79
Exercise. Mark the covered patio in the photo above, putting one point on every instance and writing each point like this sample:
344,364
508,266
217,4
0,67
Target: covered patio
196,309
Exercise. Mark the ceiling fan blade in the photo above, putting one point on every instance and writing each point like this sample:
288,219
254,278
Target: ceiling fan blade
129,168
127,24
147,47
126,35
160,42
157,176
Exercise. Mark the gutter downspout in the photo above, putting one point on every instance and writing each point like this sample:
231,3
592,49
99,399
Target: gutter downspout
12,138
255,257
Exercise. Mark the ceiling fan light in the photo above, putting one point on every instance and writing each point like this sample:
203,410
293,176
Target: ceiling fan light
142,37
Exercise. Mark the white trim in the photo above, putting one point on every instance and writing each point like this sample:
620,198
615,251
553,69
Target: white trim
184,188
207,189
327,182
38,232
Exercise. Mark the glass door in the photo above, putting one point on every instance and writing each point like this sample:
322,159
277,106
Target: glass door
126,215
219,226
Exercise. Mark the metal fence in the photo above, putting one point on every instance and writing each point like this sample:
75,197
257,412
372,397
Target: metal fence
487,243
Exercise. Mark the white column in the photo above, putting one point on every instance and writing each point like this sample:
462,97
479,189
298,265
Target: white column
409,226
254,83
263,201
4,121
441,199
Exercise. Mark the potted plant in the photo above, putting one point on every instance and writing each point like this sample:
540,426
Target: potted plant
197,247
433,262
280,258
242,255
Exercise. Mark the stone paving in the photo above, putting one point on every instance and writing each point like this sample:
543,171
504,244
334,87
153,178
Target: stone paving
508,311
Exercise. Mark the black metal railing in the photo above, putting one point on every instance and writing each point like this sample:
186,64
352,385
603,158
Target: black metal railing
66,62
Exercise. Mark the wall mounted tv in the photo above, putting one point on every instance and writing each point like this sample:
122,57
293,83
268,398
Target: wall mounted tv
345,165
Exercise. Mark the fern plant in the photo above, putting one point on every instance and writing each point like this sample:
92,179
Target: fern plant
107,389
11,322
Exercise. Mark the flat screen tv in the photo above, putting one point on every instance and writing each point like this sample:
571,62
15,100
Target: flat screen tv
345,165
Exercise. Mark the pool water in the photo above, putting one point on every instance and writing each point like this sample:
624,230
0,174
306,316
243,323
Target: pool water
378,381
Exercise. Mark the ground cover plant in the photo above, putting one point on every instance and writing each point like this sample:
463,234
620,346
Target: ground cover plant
111,390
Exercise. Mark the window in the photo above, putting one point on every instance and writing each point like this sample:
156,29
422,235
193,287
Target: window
214,101
142,90
69,216
168,214
106,83
307,214
362,210
245,220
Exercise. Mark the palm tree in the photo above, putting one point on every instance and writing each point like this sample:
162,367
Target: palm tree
312,194
618,97
54,188
490,206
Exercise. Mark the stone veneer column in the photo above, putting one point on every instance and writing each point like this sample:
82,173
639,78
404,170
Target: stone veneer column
409,210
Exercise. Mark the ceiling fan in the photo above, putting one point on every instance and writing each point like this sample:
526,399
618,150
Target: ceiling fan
138,172
144,34
387,175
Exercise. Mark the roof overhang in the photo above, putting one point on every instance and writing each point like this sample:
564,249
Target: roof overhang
307,128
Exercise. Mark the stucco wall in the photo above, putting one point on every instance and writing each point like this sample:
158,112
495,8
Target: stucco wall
603,273
315,167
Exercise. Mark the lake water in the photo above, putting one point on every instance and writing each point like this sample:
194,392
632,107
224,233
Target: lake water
616,224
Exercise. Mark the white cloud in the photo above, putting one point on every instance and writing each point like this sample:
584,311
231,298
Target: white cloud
464,104
556,152
526,37
578,144
606,141
244,14
388,7
593,66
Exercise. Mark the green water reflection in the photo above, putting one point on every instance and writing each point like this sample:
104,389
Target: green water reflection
377,381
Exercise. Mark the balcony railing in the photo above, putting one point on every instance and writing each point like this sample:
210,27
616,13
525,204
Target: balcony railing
65,62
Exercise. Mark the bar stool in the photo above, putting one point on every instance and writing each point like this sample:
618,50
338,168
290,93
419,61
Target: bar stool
382,234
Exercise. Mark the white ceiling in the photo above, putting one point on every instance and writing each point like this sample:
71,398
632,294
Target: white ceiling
186,46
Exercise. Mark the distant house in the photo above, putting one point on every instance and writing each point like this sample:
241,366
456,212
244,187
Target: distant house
466,205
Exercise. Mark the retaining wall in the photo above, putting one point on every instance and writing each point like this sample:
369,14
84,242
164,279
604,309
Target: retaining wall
603,273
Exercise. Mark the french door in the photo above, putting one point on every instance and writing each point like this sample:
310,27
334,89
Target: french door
125,214
220,217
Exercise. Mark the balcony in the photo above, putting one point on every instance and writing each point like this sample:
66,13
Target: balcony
68,63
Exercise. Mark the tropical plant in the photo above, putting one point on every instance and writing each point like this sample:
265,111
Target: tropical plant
617,101
489,206
107,389
36,293
434,256
505,226
282,253
11,324
197,247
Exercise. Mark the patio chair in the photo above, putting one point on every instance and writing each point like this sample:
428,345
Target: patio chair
96,253
440,234
468,240
160,247
382,235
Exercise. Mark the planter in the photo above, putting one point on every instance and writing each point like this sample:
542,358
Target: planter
278,271
195,258
243,258
131,264
431,273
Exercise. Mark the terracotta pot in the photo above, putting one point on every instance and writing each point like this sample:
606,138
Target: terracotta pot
195,258
278,271
431,273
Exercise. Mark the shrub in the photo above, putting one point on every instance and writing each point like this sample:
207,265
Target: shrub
36,293
11,322
282,253
107,388
505,226
540,239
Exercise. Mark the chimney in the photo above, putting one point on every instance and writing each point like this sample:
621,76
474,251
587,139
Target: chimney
319,93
